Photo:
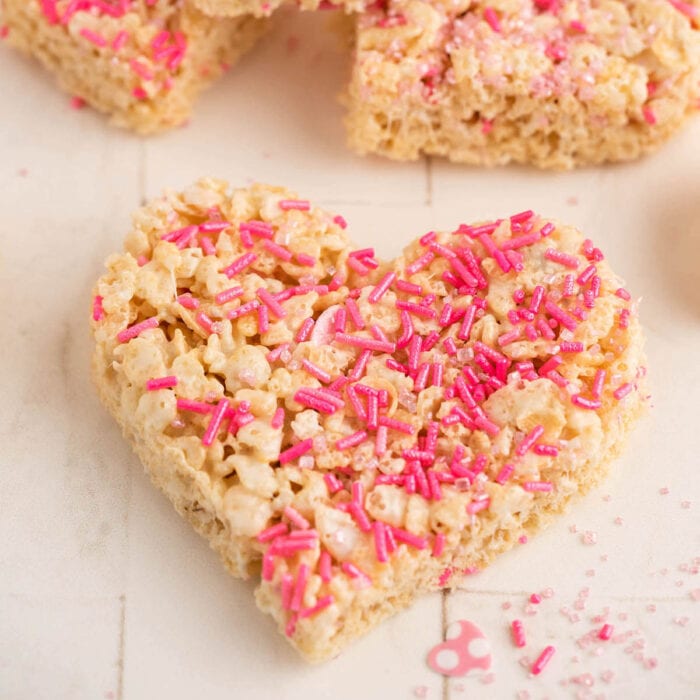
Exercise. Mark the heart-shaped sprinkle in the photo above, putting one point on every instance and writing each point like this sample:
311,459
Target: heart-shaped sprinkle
352,430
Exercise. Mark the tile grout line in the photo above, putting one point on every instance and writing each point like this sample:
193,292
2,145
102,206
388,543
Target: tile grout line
443,623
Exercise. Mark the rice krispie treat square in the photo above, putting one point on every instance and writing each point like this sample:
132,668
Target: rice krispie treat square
556,83
143,62
352,432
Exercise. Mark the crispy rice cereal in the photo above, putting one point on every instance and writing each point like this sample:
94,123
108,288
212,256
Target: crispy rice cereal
142,62
263,8
556,83
353,431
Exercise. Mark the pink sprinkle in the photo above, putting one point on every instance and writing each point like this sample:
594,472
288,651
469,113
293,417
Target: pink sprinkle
598,382
260,229
141,70
98,313
571,346
505,473
188,301
467,322
296,518
315,371
546,450
623,391
93,37
529,440
321,604
439,544
582,402
304,332
243,309
537,297
521,241
606,631
268,567
77,103
417,309
563,317
319,402
562,258
518,631
291,626
380,442
354,571
300,587
340,221
296,451
215,422
351,440
357,266
380,541
477,506
623,294
421,262
263,319
542,660
333,483
227,295
355,315
277,250
207,324
492,18
535,598
648,114
239,264
409,538
161,383
298,204
624,321
409,287
134,331
271,532
305,259
537,486
324,566
365,343
394,424
119,41
380,290
686,8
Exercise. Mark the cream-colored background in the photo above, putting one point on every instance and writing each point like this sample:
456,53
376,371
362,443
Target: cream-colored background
105,593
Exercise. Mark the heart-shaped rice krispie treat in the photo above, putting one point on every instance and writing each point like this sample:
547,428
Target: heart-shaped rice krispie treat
352,431
556,83
139,61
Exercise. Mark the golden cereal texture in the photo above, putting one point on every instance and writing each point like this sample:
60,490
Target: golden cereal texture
138,84
506,81
236,488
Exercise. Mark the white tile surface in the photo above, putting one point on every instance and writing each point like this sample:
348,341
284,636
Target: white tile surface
105,593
